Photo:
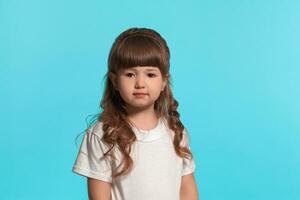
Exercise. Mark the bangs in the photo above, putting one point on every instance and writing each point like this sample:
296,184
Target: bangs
139,51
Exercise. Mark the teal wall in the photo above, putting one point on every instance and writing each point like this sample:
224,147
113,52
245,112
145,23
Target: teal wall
235,67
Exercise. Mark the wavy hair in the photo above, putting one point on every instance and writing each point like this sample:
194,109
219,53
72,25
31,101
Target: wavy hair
137,47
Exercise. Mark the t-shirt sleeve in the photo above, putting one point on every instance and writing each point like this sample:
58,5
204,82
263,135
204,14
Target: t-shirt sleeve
188,166
90,161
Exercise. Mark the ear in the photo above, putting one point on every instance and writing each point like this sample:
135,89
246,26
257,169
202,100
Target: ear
113,78
165,81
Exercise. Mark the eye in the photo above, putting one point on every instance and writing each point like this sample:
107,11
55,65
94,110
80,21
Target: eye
151,75
129,74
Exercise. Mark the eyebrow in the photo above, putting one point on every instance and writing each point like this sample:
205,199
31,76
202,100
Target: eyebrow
155,70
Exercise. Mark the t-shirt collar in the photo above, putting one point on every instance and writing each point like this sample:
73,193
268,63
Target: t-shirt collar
149,135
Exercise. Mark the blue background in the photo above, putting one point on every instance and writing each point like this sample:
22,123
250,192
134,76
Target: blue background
235,69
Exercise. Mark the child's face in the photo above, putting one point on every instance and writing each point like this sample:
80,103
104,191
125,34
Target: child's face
140,86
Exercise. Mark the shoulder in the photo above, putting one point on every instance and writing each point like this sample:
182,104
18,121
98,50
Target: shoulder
185,133
94,134
93,138
96,129
185,137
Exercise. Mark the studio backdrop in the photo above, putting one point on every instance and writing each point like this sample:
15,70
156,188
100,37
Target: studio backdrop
235,68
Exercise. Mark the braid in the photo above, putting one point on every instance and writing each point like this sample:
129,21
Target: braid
176,125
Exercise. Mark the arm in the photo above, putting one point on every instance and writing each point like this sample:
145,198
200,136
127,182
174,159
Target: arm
98,190
188,188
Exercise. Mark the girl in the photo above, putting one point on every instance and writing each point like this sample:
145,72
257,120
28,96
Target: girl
138,148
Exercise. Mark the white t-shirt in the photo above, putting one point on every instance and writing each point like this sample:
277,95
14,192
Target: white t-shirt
157,170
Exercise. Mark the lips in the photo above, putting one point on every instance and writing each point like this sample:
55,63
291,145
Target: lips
139,94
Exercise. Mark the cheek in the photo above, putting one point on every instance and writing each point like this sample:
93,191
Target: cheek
157,89
124,86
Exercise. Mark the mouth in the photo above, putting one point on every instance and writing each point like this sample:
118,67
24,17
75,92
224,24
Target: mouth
139,94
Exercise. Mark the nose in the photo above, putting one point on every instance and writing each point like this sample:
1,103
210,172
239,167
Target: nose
139,82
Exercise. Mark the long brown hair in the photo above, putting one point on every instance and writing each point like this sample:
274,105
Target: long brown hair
137,47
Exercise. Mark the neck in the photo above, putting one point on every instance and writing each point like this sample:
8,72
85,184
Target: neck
145,119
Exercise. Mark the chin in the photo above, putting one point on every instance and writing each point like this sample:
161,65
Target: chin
141,106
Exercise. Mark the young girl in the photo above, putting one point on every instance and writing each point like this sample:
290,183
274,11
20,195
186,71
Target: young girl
138,148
